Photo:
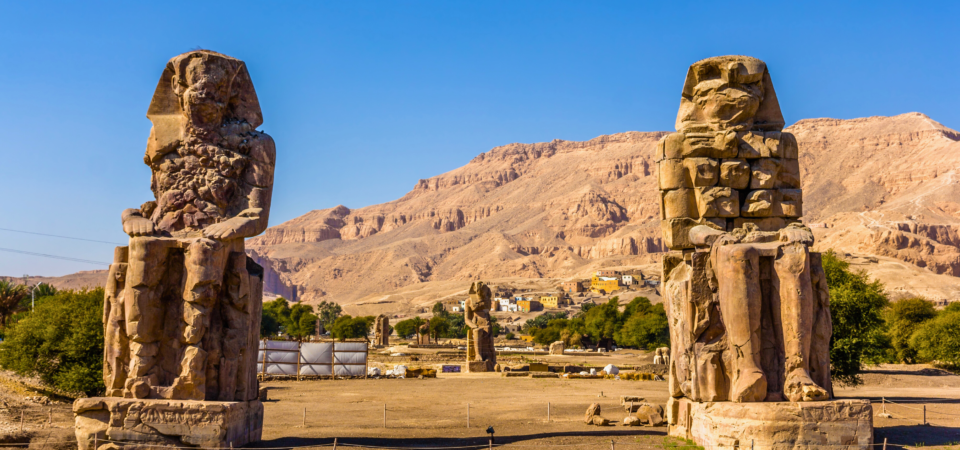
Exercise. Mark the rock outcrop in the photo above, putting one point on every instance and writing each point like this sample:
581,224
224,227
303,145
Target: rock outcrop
554,209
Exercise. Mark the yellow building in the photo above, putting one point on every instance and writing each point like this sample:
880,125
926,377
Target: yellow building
604,285
554,301
529,305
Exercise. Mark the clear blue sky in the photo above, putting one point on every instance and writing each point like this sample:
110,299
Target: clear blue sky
365,98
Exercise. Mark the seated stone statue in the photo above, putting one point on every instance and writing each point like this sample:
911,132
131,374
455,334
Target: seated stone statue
182,317
477,317
747,301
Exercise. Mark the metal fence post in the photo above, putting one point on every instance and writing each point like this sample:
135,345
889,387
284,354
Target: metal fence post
548,411
884,443
468,415
924,414
384,415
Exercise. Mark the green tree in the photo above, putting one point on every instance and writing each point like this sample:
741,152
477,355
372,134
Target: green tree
61,342
43,290
645,330
439,326
275,316
10,296
510,336
302,322
347,327
542,320
903,319
408,327
457,326
328,312
856,306
603,322
439,310
938,339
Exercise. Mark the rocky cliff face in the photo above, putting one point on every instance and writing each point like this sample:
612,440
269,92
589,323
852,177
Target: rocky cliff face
554,209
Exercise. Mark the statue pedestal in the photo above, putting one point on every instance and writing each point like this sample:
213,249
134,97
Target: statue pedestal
842,424
166,423
479,366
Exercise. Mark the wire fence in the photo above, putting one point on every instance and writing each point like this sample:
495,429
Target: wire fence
944,412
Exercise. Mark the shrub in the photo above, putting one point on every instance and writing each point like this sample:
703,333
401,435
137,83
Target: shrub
61,342
938,339
347,327
903,319
856,306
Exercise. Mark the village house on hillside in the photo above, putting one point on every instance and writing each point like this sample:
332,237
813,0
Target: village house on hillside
553,301
571,287
529,305
604,285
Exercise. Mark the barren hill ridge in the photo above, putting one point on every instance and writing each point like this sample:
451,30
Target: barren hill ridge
883,185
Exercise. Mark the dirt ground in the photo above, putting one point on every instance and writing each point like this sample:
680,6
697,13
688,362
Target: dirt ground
433,412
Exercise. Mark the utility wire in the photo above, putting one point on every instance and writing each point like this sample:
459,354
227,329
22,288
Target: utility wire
65,258
58,236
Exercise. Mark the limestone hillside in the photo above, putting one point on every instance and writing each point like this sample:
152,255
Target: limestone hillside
884,186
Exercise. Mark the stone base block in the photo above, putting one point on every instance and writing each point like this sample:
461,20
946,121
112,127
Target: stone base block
157,424
839,424
479,366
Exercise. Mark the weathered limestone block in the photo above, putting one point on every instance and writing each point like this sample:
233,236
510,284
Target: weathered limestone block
592,416
701,172
557,348
167,423
789,175
839,424
734,173
758,203
717,202
679,203
764,172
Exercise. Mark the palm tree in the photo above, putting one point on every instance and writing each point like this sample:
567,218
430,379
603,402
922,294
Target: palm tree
10,296
44,290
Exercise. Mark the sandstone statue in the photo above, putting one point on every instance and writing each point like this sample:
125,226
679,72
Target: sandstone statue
557,348
381,331
481,355
747,301
183,301
423,334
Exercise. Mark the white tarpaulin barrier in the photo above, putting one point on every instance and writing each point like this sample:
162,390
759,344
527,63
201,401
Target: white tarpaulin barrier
316,358
312,358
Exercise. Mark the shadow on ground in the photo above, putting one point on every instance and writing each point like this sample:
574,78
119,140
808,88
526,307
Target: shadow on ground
917,436
464,444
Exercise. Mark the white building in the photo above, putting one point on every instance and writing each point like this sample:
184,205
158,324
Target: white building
627,280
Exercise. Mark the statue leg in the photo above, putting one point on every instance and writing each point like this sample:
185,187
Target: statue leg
205,262
235,320
144,311
792,281
738,275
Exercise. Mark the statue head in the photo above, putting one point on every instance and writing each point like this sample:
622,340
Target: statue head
199,92
479,295
728,93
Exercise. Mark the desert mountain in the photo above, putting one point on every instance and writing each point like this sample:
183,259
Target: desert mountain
882,185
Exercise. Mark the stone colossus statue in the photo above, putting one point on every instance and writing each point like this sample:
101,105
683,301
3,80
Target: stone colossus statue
183,303
747,301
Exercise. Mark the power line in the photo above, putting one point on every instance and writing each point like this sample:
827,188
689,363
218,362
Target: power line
65,258
58,236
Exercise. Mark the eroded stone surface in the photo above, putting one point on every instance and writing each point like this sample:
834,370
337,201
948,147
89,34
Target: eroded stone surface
557,348
183,302
840,424
729,156
747,302
381,331
477,316
167,423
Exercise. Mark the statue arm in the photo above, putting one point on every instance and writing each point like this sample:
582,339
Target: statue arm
134,224
257,185
468,317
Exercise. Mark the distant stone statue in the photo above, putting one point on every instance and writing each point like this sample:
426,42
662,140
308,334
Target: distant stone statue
183,302
658,356
381,331
423,334
481,355
746,299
